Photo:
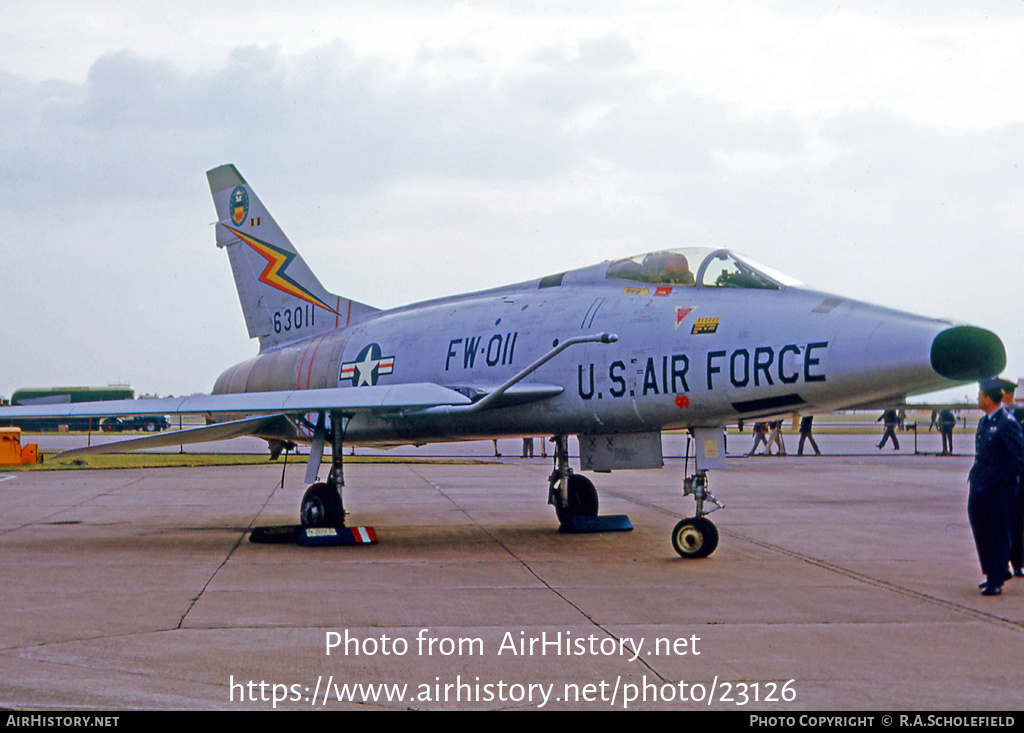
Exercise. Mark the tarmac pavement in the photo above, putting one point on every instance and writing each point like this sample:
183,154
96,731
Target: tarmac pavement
673,445
840,583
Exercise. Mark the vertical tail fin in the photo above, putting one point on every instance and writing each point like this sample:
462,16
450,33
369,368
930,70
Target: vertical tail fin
282,299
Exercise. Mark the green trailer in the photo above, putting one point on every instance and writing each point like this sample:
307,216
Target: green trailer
65,395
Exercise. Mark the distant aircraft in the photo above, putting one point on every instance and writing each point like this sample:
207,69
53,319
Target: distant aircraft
689,338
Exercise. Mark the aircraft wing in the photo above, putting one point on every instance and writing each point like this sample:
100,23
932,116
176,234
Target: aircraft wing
261,409
348,399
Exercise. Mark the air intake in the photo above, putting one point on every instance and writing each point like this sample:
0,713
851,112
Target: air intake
966,353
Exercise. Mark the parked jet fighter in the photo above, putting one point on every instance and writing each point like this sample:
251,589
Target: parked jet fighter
692,337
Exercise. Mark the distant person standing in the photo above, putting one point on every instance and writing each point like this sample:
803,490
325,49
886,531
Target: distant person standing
760,436
891,421
527,447
994,484
947,421
805,434
1016,411
775,436
1017,527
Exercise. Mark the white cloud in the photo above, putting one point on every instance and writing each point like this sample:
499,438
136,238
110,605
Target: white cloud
415,150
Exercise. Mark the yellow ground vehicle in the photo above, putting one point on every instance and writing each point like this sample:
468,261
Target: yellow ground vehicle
13,453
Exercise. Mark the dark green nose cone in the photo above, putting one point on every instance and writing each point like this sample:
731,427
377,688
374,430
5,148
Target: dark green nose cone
967,354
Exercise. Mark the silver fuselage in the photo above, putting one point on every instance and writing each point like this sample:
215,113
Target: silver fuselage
686,356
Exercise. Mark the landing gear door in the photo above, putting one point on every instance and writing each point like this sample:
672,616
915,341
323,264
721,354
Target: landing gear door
710,448
603,453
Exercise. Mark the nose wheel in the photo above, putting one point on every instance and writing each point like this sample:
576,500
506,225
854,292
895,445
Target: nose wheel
697,536
694,537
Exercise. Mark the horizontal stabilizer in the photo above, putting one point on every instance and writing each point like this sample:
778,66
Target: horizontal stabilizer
220,431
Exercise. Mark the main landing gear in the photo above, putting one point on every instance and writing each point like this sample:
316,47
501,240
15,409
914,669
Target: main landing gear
322,505
571,494
575,498
321,513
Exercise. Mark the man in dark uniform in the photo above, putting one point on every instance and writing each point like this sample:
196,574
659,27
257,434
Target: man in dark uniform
891,421
947,421
1015,410
1017,530
994,484
806,428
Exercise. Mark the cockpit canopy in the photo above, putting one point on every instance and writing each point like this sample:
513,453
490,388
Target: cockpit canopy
690,266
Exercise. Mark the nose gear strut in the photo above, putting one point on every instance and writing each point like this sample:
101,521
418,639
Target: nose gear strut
697,536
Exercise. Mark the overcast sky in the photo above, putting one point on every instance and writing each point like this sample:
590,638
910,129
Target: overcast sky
419,149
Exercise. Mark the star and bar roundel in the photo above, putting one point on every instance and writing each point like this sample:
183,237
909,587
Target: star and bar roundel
275,273
367,367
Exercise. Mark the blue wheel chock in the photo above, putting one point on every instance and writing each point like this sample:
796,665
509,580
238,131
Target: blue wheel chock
296,534
588,525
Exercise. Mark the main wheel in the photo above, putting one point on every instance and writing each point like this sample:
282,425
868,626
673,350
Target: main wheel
582,499
321,507
695,537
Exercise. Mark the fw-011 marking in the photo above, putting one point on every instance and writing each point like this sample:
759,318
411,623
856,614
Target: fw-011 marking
756,344
499,349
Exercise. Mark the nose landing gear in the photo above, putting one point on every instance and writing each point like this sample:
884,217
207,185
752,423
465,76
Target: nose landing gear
696,536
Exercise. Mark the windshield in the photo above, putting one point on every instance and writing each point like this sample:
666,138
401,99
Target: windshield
691,266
